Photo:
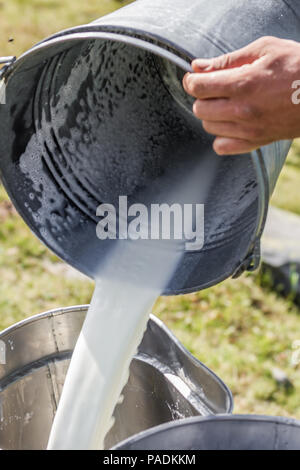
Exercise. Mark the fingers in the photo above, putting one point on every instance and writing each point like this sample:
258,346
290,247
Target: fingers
238,58
225,109
227,129
227,61
203,86
222,76
215,110
229,146
222,84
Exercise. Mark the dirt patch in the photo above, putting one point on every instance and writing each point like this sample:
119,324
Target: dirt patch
7,209
64,270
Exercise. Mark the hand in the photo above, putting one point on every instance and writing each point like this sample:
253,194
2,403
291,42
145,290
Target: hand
245,97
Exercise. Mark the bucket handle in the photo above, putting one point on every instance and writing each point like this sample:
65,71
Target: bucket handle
6,62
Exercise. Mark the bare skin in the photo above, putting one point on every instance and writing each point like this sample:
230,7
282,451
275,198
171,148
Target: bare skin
245,98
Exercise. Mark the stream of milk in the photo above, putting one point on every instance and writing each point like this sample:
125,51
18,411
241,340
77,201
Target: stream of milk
124,295
127,285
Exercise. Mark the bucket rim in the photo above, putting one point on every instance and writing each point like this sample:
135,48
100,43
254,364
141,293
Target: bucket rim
137,35
206,419
180,58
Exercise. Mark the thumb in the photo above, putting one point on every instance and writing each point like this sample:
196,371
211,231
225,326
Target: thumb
246,55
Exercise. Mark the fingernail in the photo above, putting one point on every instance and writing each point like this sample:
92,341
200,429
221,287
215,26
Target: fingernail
201,63
219,146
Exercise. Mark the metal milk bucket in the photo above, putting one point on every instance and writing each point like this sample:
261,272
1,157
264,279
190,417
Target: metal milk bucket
166,382
235,432
98,111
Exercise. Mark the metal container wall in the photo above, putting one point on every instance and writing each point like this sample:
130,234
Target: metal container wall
166,383
236,432
98,111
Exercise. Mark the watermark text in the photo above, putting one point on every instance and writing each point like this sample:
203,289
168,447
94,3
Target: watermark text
157,222
296,94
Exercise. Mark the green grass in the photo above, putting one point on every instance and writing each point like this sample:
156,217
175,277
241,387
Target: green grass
29,21
287,193
240,329
242,332
29,283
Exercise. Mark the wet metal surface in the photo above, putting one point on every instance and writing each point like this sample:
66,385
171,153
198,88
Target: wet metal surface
236,432
166,383
89,118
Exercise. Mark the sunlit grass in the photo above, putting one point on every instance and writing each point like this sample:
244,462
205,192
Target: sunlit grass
29,21
287,193
242,332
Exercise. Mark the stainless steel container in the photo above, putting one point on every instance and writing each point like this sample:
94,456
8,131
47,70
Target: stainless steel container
98,111
166,383
235,432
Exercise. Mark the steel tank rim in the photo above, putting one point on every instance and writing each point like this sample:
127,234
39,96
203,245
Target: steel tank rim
235,418
84,308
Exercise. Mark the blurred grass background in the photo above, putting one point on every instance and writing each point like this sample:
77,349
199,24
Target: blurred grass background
239,328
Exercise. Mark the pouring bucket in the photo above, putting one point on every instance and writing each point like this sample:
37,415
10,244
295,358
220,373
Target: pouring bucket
166,383
98,111
236,432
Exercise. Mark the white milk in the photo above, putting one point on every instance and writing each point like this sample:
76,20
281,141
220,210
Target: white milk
135,274
129,284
